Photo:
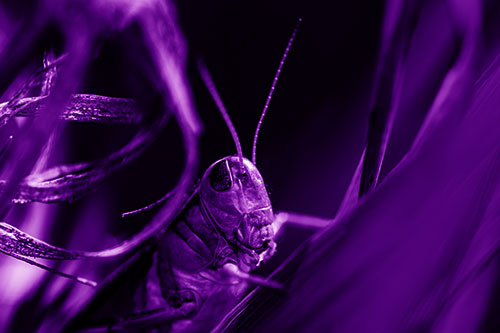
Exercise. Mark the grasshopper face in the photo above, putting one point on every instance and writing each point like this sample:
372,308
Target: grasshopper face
235,198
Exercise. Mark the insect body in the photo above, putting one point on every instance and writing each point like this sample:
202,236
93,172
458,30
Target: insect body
204,258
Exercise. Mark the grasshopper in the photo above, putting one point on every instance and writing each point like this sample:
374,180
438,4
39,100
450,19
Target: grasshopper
203,261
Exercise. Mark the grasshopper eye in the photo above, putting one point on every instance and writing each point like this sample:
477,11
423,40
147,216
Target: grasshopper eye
220,177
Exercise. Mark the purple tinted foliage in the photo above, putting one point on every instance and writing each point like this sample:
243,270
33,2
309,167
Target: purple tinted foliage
81,26
380,151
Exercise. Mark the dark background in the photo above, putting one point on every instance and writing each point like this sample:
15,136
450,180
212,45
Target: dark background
314,132
315,129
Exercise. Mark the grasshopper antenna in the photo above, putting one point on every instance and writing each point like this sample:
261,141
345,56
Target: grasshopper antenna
273,86
167,196
150,206
207,79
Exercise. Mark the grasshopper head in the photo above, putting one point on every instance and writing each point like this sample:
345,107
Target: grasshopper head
236,200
